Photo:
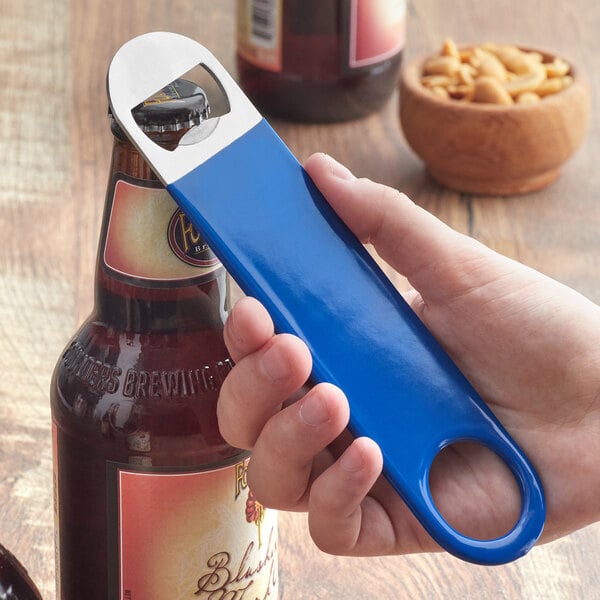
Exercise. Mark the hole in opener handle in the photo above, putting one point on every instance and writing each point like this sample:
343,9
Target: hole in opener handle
525,530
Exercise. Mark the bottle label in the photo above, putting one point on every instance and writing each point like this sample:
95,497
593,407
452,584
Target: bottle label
377,31
190,534
149,241
259,32
372,30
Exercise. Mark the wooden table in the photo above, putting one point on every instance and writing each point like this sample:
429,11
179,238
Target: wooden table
55,147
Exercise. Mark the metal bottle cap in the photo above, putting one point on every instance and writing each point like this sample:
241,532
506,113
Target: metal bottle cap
180,105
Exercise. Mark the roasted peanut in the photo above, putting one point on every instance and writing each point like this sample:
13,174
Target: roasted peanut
497,73
449,49
441,65
489,90
467,56
528,82
490,65
432,81
557,68
554,85
527,98
567,80
440,91
536,57
466,75
461,92
550,86
512,58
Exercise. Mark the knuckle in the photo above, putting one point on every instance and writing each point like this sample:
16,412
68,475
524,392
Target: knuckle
231,403
329,546
332,539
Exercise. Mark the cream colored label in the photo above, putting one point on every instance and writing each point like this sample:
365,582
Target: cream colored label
149,238
197,535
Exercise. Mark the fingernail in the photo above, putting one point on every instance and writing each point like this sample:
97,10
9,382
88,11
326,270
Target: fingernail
313,410
338,169
274,364
352,460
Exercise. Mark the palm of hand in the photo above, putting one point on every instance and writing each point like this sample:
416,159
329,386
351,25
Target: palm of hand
520,339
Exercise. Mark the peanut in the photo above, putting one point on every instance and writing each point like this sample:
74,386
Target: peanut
550,86
557,68
528,82
440,91
466,74
489,90
461,92
494,73
432,81
449,49
512,58
527,98
490,65
441,65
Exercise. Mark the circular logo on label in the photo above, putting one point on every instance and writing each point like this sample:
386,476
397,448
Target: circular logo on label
187,244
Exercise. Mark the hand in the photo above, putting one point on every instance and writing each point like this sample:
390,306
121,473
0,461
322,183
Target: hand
529,345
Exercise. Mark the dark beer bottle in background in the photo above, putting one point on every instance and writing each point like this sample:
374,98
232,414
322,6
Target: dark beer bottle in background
320,60
15,583
151,502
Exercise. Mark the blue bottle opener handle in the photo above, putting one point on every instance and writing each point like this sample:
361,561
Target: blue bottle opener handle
278,237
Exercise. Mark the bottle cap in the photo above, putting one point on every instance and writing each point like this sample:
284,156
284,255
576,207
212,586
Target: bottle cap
180,105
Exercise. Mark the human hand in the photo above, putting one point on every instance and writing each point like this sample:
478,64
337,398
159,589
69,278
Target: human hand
529,345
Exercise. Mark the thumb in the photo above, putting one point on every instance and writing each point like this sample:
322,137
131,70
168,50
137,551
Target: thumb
437,260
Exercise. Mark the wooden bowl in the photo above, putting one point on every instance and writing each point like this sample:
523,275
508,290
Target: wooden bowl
492,149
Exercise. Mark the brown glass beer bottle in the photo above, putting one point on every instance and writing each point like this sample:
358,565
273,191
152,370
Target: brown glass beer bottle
15,583
320,60
151,503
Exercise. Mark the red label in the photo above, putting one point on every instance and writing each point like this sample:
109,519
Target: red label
194,535
377,30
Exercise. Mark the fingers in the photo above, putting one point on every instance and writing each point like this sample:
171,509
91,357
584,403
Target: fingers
342,519
269,369
291,447
247,328
417,244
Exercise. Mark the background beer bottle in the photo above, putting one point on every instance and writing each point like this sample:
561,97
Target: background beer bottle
151,502
320,60
15,583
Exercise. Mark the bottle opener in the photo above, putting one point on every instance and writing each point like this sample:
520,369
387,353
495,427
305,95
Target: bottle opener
277,236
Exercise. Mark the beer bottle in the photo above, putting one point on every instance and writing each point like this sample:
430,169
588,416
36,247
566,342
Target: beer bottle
15,583
320,60
151,502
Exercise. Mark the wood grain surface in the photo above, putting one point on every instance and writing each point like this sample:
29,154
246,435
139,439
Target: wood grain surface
55,148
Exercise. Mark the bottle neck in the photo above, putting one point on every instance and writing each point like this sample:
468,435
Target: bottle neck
153,271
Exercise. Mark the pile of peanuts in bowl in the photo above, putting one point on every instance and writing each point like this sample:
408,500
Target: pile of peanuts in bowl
494,73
